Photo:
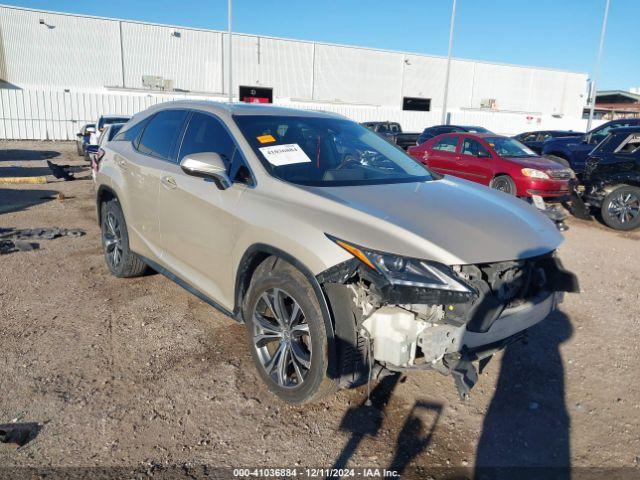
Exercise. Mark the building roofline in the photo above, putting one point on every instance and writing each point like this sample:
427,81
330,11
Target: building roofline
624,93
313,42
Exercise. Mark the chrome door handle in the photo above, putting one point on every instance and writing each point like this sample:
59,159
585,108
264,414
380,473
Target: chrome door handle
169,182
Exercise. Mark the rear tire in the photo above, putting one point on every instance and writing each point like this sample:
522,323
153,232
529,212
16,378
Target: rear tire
505,184
122,262
621,208
287,333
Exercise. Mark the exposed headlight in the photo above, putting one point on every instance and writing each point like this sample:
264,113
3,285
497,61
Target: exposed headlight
533,173
406,271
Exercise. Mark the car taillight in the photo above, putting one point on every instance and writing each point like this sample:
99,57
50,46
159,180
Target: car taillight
99,155
95,162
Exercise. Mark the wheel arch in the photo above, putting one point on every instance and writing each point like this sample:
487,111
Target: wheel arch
253,256
104,194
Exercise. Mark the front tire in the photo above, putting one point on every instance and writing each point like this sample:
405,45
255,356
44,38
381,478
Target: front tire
621,208
122,262
504,183
287,334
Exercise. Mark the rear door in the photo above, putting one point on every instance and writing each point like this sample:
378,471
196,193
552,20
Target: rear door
142,168
197,220
443,155
475,161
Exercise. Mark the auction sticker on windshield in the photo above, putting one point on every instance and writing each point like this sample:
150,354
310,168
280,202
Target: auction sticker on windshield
279,155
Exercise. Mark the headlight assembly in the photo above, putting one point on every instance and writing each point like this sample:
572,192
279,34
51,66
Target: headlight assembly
533,173
399,270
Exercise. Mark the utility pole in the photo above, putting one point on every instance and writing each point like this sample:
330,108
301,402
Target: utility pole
596,72
446,78
230,71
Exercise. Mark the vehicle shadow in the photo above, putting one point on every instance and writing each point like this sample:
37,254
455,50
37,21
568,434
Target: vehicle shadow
21,155
367,419
13,200
526,430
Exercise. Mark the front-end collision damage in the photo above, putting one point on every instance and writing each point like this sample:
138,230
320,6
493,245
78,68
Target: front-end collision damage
380,325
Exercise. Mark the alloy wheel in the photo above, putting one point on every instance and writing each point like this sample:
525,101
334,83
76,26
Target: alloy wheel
281,338
625,207
113,240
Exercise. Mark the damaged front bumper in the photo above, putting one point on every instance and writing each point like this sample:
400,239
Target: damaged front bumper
405,328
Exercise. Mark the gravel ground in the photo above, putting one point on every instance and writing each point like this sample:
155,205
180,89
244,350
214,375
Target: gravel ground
140,374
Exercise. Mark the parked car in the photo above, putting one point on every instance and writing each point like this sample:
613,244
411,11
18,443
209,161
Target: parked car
328,261
436,130
573,151
612,178
82,137
499,162
393,132
535,140
95,152
102,122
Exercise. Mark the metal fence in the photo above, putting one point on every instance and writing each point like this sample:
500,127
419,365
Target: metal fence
58,115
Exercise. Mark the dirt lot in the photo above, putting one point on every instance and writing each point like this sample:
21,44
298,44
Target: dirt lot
141,374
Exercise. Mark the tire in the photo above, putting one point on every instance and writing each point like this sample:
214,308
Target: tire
504,183
288,342
560,160
121,261
621,208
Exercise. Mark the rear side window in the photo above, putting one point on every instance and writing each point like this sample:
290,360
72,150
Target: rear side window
130,134
206,134
161,134
447,144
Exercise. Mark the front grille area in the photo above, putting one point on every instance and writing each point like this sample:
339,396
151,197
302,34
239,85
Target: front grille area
560,174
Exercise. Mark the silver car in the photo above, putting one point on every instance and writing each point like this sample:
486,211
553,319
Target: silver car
343,257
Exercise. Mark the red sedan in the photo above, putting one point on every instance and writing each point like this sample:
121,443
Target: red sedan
498,162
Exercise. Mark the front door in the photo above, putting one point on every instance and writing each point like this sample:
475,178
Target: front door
198,226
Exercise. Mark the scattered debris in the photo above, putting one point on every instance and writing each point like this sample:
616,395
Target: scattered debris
61,171
18,434
14,240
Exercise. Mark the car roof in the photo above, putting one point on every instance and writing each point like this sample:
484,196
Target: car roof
634,129
230,109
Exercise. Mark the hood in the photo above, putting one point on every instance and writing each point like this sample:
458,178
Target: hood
451,221
541,163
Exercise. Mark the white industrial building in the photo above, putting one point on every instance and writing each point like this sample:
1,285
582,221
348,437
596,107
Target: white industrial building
41,49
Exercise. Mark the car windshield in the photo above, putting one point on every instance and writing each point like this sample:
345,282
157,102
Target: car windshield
509,147
107,121
321,151
114,129
478,130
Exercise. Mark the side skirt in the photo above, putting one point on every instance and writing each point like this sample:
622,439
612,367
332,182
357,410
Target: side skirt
189,288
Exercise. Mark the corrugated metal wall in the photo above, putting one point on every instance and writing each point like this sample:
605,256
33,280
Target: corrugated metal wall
58,115
76,52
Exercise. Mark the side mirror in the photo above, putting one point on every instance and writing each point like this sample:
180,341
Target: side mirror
586,138
484,154
208,165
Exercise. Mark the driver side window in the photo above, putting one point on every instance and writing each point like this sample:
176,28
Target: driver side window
474,148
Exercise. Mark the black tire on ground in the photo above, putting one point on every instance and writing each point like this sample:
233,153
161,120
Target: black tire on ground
505,184
122,262
621,208
560,160
291,356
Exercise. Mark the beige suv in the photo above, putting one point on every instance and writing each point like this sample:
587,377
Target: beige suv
343,257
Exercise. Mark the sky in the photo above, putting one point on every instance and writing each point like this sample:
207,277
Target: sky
562,34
